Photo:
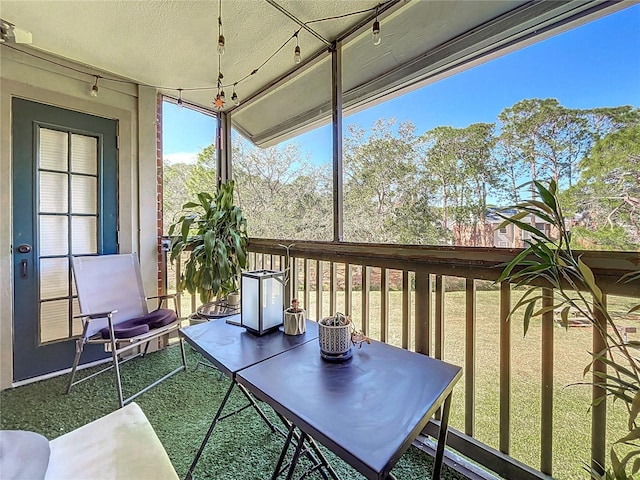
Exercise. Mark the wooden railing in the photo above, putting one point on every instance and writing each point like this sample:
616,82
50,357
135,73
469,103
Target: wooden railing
324,269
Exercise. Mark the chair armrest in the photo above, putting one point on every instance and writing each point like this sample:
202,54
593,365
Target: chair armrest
92,316
162,298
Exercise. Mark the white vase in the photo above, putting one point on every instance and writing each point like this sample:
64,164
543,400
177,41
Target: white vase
295,322
335,341
233,299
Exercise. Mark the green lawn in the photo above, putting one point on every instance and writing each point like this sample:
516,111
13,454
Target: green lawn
572,418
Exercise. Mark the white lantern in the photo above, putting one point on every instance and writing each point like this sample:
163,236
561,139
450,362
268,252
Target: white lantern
262,294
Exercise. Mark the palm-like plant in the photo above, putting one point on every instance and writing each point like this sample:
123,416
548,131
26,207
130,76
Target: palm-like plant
214,232
555,264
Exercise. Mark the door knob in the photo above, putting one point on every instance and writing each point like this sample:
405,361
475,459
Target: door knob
24,248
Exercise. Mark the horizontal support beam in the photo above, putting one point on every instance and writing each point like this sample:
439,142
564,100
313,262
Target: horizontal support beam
480,263
489,458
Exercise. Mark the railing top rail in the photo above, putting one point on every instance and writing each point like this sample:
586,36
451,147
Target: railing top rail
483,263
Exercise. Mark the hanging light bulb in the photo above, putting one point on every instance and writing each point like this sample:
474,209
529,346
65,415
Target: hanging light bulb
222,95
94,89
376,33
179,98
234,96
296,52
220,31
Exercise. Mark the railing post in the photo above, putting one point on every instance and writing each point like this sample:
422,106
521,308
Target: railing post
439,327
406,301
546,424
505,367
423,312
366,291
598,412
307,285
384,305
319,279
348,286
470,358
333,283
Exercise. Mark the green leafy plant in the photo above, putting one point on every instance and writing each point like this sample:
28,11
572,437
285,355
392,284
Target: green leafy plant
552,262
214,233
341,320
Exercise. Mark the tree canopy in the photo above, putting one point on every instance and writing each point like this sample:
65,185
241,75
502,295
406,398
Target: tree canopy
437,187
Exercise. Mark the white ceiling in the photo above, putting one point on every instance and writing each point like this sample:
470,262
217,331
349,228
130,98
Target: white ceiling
172,45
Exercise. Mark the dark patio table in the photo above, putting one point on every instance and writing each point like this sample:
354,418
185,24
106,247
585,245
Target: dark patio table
367,410
231,348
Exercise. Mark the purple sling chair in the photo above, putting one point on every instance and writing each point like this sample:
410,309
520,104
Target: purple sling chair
114,313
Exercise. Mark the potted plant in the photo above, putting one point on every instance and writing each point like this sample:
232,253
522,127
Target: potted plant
554,262
336,334
214,233
295,319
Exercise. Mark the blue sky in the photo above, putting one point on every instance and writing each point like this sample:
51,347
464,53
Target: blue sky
595,65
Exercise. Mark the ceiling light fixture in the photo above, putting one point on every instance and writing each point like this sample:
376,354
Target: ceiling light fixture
375,38
94,89
296,52
179,98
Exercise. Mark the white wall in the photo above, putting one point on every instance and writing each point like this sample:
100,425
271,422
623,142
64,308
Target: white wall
135,110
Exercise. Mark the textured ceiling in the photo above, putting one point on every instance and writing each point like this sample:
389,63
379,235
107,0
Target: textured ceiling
172,45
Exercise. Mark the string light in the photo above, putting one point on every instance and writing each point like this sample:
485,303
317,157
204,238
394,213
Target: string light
220,30
375,37
296,52
219,100
234,96
94,89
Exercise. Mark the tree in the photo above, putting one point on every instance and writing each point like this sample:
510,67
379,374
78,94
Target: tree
174,194
460,161
607,197
281,193
380,174
547,137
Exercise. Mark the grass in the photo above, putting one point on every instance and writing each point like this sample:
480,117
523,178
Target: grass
180,410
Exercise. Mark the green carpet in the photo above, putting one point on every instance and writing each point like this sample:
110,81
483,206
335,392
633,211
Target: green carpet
180,410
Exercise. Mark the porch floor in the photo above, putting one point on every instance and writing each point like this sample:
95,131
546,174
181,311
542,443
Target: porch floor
180,410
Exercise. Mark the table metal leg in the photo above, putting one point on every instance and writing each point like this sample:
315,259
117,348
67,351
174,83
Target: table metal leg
209,432
315,456
442,438
258,409
283,453
296,456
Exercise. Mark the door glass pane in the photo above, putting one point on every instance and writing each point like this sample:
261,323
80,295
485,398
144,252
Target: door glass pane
84,154
54,277
76,324
54,235
83,236
84,194
54,320
54,149
53,192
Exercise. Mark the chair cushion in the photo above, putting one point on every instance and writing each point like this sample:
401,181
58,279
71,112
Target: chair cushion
141,325
23,455
161,317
